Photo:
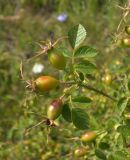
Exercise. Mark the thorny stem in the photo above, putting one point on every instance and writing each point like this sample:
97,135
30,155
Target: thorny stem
90,88
46,48
98,91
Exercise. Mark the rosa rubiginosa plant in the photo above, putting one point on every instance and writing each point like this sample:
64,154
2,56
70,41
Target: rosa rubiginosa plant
77,87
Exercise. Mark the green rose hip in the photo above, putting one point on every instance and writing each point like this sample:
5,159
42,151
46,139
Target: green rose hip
127,30
88,137
57,59
81,151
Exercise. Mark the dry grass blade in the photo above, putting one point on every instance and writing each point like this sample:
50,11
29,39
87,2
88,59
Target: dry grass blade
21,70
122,19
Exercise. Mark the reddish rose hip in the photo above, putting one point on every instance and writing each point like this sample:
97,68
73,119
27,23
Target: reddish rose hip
88,137
127,116
55,109
46,83
119,42
126,42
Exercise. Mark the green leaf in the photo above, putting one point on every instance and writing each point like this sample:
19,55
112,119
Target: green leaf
85,51
81,76
80,118
122,104
124,130
118,155
82,99
76,35
129,86
100,154
86,67
64,51
66,113
104,145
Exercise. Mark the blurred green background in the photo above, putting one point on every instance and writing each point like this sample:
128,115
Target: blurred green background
22,24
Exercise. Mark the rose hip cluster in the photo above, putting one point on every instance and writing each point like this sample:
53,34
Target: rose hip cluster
48,83
60,105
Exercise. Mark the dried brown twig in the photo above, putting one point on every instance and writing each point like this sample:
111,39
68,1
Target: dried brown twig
126,11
